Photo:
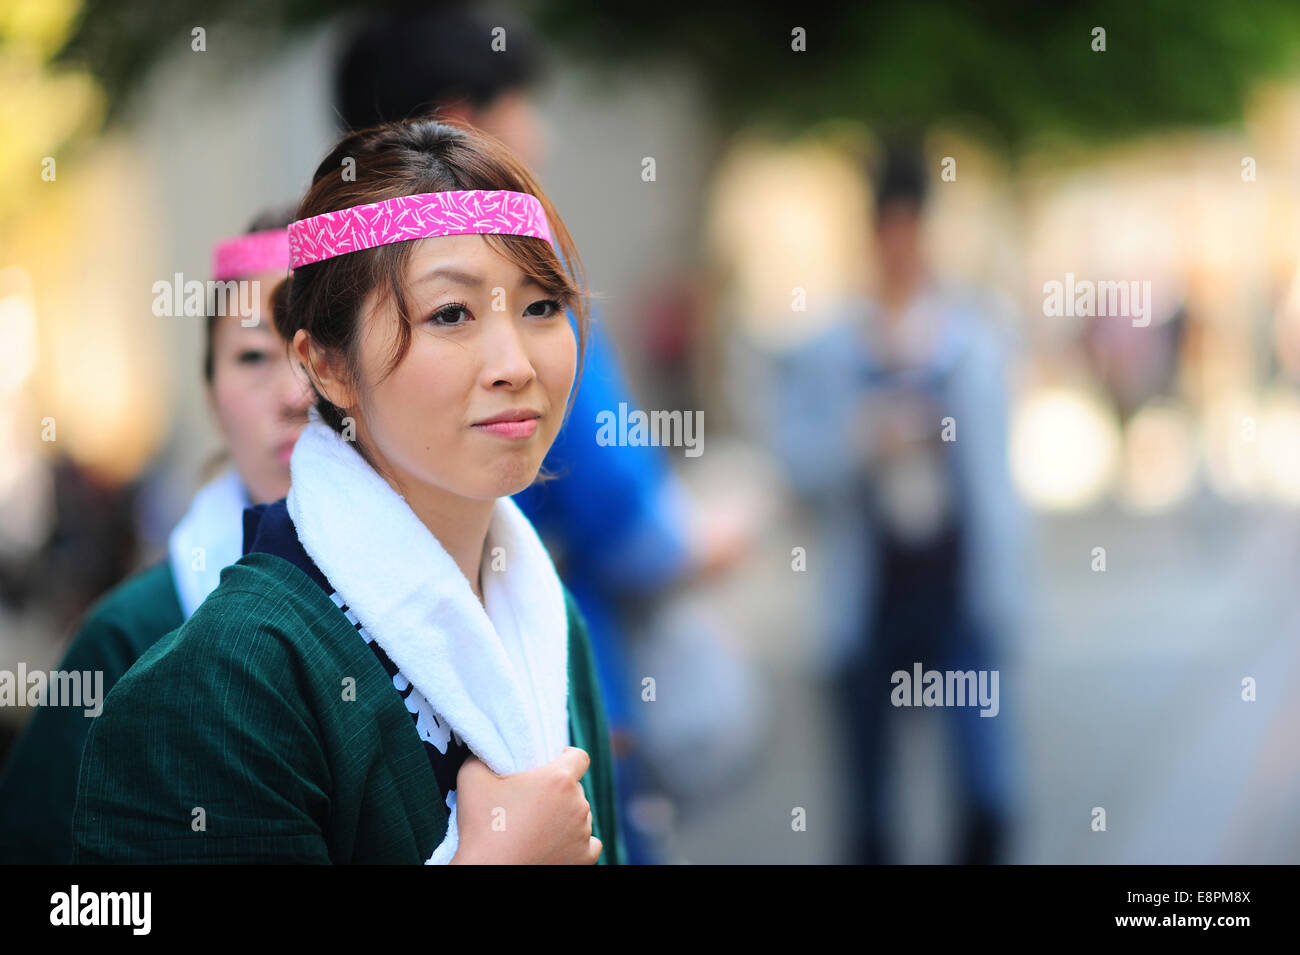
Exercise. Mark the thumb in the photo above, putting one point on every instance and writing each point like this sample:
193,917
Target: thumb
575,761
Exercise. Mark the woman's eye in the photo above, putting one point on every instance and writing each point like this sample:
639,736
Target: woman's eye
549,307
252,357
451,315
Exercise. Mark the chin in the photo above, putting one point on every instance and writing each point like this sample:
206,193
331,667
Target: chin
512,477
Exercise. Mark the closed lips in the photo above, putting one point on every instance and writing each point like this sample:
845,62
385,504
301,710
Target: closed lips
521,423
514,414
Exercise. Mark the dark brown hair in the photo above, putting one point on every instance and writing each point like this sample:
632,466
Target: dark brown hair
402,159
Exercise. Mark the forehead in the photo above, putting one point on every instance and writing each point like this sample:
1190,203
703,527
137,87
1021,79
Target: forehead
230,330
460,260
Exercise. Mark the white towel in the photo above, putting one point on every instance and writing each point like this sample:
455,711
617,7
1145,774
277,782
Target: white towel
209,538
498,676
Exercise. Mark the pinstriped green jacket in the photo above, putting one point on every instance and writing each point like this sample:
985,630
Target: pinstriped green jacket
236,739
38,787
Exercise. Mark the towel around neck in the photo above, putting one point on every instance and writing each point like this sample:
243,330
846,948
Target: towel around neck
495,670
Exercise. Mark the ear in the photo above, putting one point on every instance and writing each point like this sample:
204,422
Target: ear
322,371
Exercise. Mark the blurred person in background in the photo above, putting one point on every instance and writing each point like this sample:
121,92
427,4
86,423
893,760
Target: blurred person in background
892,425
618,520
260,405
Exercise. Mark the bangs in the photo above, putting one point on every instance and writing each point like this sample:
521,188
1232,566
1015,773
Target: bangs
537,260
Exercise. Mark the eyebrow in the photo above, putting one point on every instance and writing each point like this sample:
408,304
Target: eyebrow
468,279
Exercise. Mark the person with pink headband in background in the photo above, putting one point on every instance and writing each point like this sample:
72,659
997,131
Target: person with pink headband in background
259,401
393,672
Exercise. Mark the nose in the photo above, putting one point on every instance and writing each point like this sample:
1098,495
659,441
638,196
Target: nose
506,362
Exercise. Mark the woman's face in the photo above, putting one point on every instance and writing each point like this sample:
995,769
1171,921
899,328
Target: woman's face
259,398
478,399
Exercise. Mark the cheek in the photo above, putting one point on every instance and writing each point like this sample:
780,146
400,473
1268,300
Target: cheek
421,404
241,410
557,363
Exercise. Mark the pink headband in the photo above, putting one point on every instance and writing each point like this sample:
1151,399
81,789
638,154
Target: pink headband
420,216
250,254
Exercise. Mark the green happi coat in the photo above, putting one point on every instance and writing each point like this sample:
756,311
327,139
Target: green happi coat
38,787
265,730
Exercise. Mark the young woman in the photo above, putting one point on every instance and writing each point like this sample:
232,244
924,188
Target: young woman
260,401
393,672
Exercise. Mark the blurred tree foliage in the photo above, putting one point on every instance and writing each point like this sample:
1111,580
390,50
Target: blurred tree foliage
1020,68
